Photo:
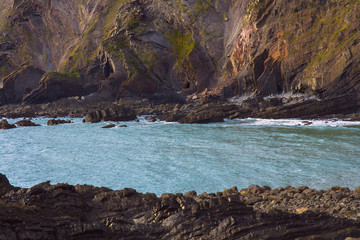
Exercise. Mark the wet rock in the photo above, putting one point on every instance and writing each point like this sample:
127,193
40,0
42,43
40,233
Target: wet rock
306,123
123,126
5,125
209,113
151,119
53,122
26,123
109,126
115,113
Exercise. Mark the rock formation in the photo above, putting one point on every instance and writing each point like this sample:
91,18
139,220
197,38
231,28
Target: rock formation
5,125
64,211
54,122
116,113
164,50
26,123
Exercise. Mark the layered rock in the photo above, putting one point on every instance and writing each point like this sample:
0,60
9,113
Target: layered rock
54,122
54,86
165,50
64,211
116,113
20,83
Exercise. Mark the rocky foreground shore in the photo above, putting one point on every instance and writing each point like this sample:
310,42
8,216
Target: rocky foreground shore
64,211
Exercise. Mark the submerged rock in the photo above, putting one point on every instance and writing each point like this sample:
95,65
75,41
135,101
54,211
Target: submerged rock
5,125
109,126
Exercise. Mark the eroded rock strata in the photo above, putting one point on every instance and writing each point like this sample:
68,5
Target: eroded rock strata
105,51
64,211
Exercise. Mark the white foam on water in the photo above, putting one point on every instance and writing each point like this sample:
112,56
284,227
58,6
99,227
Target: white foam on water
299,122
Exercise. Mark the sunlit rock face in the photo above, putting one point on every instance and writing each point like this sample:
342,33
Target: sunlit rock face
167,49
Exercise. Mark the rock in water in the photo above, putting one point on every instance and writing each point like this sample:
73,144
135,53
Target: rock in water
117,113
54,122
26,123
151,119
109,126
5,125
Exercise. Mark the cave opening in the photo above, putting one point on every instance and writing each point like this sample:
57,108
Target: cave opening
108,70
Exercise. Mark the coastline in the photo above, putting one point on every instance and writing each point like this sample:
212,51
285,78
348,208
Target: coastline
64,211
197,109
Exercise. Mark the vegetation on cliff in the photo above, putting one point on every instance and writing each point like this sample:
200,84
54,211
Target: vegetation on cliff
152,48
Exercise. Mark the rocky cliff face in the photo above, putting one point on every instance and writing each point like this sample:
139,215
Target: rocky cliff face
304,46
166,49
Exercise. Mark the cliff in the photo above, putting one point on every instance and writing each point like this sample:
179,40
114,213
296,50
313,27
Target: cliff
165,50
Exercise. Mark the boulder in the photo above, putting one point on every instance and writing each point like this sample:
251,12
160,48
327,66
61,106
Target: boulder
54,86
5,125
54,122
151,119
20,82
26,123
5,186
116,113
209,113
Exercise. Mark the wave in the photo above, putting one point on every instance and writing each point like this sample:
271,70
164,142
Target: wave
299,122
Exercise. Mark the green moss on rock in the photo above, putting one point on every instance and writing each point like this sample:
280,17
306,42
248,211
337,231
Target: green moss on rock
182,45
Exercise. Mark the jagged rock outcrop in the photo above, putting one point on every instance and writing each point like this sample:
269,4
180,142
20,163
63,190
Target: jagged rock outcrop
19,83
64,211
297,46
26,123
163,50
115,113
4,124
54,86
54,122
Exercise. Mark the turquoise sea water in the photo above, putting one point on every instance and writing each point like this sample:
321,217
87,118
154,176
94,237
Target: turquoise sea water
169,157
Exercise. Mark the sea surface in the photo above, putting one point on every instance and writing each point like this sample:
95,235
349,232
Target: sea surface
169,157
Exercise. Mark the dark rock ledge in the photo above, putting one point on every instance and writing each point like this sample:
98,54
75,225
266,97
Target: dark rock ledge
207,109
64,211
